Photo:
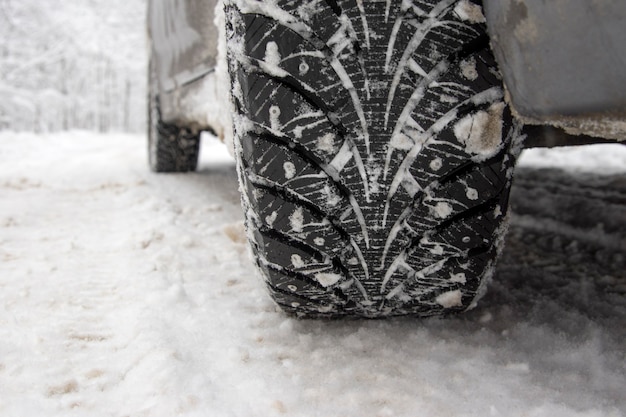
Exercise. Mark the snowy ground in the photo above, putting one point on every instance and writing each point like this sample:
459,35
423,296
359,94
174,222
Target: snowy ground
126,293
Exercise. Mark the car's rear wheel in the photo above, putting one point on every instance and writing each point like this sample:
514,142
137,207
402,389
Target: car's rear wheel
375,152
171,148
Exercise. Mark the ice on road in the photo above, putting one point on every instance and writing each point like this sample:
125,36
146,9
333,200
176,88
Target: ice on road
127,293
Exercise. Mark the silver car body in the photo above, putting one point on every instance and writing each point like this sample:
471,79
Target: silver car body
563,62
184,46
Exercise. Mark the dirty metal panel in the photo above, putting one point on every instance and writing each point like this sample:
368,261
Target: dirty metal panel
561,57
183,40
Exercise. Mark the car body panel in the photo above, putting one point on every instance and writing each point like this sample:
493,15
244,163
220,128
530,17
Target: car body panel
563,61
183,45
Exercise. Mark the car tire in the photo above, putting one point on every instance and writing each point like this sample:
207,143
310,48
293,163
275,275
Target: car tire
171,148
375,153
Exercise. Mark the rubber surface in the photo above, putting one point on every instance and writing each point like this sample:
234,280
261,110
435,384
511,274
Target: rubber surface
375,153
171,148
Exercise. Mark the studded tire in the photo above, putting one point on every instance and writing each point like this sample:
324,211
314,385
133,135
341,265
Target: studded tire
171,148
375,152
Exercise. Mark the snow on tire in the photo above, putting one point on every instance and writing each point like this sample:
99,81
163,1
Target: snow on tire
171,148
375,152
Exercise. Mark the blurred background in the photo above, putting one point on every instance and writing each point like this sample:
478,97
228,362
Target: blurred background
72,65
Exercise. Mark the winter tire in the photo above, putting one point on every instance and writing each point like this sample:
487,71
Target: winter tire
375,152
171,148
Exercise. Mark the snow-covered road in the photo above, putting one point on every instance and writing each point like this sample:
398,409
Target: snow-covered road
126,293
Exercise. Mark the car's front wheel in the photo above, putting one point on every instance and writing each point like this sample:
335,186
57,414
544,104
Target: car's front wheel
171,148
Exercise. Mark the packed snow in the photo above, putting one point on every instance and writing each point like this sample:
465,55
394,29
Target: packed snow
129,293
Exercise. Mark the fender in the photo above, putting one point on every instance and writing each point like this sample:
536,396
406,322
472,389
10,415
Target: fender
183,46
563,62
